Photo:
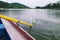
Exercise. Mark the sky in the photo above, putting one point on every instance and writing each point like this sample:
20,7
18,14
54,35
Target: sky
32,3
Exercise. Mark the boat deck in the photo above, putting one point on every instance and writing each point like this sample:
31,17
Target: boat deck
15,32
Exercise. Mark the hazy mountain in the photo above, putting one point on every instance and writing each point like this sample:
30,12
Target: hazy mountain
12,5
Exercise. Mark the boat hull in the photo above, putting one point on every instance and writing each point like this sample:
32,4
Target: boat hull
16,32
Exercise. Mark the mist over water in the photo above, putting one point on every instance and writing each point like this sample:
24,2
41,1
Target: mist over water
47,22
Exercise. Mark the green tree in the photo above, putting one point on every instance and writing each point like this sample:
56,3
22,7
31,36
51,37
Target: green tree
11,5
3,4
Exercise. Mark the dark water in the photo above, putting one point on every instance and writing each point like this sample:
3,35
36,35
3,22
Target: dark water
46,22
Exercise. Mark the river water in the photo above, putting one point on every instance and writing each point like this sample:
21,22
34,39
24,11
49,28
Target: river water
46,22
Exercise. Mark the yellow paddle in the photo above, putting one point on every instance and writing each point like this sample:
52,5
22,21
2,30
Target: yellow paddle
14,20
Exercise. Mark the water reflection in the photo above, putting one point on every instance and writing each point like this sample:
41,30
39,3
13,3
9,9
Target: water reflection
54,13
47,22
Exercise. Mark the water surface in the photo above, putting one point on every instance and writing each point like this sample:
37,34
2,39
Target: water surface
46,22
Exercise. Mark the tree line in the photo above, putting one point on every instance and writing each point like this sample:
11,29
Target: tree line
51,6
11,5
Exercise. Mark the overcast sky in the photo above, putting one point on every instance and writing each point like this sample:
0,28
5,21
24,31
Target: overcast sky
32,3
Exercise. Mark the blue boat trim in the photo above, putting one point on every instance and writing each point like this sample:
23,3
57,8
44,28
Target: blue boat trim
1,22
3,33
